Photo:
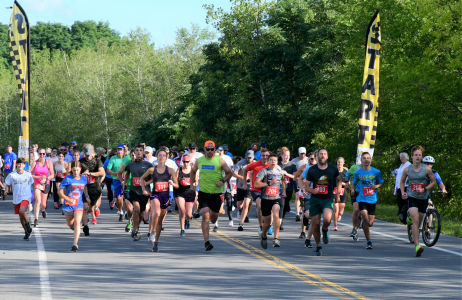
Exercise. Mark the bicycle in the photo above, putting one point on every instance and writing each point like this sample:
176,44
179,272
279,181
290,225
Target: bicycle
430,227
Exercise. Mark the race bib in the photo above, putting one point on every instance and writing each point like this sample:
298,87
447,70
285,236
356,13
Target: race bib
161,187
75,196
322,189
342,192
288,179
368,191
61,175
272,191
185,181
40,187
7,167
416,186
234,186
90,179
136,181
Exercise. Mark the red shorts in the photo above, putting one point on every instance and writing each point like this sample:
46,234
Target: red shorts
24,203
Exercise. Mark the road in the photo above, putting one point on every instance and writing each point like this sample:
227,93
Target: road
110,265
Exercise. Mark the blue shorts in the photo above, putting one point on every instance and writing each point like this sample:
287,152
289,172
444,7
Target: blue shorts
117,188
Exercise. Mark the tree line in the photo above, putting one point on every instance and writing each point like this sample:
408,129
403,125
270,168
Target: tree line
287,73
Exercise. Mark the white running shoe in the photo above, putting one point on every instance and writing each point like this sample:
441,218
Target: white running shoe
238,215
230,224
259,233
152,237
339,218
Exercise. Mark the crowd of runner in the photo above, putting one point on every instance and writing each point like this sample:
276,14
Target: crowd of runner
144,183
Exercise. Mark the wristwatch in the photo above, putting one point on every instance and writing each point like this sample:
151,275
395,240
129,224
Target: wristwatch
425,189
223,180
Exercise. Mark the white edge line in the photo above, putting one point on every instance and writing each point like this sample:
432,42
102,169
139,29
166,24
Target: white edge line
43,266
400,239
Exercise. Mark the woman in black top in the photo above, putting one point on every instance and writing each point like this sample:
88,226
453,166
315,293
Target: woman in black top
340,207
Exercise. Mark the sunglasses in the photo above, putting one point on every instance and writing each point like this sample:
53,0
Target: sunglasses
209,149
42,153
186,161
311,158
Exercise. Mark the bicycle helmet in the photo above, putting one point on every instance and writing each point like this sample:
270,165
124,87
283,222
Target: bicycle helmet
428,159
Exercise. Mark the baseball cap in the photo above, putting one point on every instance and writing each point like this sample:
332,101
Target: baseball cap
263,145
192,145
302,150
47,150
209,144
220,148
225,147
88,150
148,149
120,146
74,142
249,153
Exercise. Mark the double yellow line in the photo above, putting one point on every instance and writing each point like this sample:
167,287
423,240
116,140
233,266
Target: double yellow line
307,277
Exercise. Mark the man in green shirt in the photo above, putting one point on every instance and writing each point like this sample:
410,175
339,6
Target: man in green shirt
112,169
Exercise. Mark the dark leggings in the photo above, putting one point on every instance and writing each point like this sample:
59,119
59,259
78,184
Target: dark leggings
286,203
108,182
55,191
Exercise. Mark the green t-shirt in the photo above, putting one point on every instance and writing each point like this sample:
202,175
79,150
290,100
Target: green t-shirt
210,174
115,163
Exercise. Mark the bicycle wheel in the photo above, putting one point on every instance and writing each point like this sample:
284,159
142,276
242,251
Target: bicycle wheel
409,234
431,227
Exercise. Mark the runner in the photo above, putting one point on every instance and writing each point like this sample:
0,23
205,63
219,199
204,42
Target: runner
148,155
368,180
324,177
421,179
289,169
20,182
244,195
53,188
60,168
112,168
300,176
340,207
227,197
10,160
404,158
92,169
71,189
256,167
226,150
108,178
355,216
194,155
42,171
185,198
134,171
271,181
300,161
211,187
162,176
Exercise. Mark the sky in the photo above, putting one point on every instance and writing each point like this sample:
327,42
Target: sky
160,17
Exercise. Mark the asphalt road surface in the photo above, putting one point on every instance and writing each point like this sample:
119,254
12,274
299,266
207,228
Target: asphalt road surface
110,265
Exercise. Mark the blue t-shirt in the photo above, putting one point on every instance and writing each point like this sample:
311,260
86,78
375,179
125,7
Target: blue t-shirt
74,189
229,154
9,158
257,155
437,177
105,167
363,180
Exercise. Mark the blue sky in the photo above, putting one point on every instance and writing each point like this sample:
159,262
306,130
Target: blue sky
160,17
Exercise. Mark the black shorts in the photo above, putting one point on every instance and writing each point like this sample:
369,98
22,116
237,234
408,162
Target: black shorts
342,199
421,204
241,194
212,201
187,196
267,206
367,206
141,199
353,198
94,197
255,195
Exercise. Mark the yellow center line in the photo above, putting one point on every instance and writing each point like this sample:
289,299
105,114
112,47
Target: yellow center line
286,267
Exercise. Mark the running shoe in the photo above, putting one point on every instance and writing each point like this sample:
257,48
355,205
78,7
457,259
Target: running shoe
215,228
136,236
241,227
111,205
418,250
222,211
156,247
297,218
302,235
335,228
186,224
145,222
308,244
75,247
152,238
246,219
149,235
369,245
259,233
56,206
264,243
276,243
44,214
270,230
26,236
93,221
208,246
339,218
238,214
121,217
230,224
129,225
97,212
182,233
132,233
318,251
325,236
36,222
352,233
281,227
86,230
196,215
29,229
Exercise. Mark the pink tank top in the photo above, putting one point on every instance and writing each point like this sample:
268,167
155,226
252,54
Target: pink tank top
41,171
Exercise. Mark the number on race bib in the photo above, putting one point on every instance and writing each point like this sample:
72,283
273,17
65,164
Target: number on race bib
416,186
272,191
7,167
161,187
322,189
136,181
342,192
288,179
75,196
90,179
234,186
368,191
40,187
60,175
